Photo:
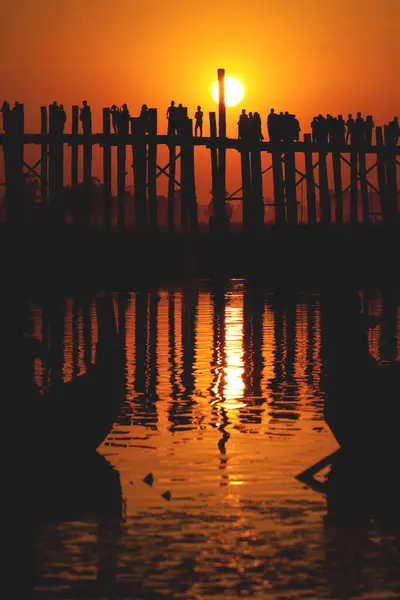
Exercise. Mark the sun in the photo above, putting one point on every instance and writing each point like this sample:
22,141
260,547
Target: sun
234,91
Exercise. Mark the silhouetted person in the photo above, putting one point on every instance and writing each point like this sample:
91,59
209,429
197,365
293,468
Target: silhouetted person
86,117
242,123
350,129
144,117
180,115
359,130
199,121
124,120
6,110
341,130
296,125
314,130
62,118
115,117
257,126
369,125
171,116
272,125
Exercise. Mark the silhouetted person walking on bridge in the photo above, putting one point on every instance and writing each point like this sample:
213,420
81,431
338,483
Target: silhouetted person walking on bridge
394,130
114,110
124,119
242,124
144,117
86,117
350,129
369,125
272,125
199,121
258,126
62,119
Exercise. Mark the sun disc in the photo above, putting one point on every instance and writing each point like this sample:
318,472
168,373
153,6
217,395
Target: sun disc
234,91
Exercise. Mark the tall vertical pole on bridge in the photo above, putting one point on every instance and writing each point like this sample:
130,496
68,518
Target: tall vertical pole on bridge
220,217
107,169
43,154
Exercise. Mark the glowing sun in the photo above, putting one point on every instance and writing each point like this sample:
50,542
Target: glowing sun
234,91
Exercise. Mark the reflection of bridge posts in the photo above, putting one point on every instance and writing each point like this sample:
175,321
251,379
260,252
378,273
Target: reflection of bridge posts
75,338
290,339
87,332
311,315
388,342
57,315
218,300
253,309
141,341
189,310
153,374
172,345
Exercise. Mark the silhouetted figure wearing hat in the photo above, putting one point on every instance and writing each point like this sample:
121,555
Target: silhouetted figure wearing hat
114,111
199,121
86,118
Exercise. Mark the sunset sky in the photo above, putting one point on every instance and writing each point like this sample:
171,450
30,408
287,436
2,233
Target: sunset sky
294,55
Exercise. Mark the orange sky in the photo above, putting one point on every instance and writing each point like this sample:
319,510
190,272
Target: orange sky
294,55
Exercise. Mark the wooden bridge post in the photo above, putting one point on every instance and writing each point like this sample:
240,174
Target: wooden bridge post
107,169
214,166
279,189
324,196
380,160
87,175
139,170
14,166
43,154
152,171
257,189
247,205
52,156
353,187
338,186
171,188
121,173
311,200
290,187
221,216
364,188
391,173
188,196
74,146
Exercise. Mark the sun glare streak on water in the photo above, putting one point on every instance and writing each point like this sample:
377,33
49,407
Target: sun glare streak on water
224,406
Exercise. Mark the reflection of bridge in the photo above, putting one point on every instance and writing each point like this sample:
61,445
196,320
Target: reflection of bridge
316,166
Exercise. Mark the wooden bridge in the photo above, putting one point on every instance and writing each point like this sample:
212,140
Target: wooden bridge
322,162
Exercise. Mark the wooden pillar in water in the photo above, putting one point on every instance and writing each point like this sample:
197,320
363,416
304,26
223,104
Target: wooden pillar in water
221,217
121,173
14,165
152,171
87,174
364,188
380,160
279,189
290,188
324,197
141,314
214,164
257,189
247,209
311,200
353,187
391,173
43,154
107,169
171,188
52,155
338,186
189,218
74,146
139,171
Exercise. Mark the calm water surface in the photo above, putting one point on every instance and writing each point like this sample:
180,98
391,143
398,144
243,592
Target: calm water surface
224,408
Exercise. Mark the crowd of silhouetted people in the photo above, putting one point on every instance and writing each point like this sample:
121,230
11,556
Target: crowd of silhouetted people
282,126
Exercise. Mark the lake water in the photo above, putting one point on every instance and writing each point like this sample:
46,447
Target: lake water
224,408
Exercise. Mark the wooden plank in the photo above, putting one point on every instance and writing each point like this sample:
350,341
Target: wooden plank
290,188
311,199
338,186
324,196
353,187
107,171
43,155
152,171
